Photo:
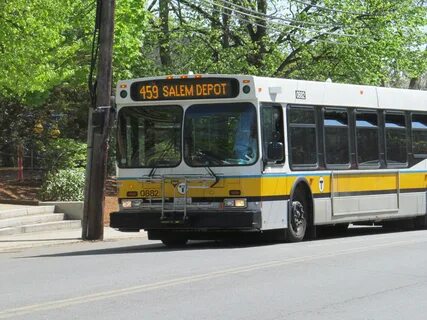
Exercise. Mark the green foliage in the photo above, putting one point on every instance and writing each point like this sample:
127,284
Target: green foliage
71,102
65,110
60,154
130,24
41,45
16,122
367,42
64,185
388,40
46,44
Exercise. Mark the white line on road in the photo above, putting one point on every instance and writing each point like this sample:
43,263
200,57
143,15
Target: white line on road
56,304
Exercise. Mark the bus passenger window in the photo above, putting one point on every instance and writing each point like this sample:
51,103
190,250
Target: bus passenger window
395,139
272,127
419,134
367,139
302,136
336,133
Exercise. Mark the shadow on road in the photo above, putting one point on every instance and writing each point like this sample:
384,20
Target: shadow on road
222,245
158,247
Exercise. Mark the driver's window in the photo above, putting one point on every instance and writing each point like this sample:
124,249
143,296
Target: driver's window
272,127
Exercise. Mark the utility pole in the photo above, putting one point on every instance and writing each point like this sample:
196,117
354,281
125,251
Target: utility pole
98,131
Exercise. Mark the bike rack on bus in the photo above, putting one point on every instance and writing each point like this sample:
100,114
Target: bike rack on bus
187,181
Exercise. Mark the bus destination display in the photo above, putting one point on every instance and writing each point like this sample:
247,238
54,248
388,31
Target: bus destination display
179,89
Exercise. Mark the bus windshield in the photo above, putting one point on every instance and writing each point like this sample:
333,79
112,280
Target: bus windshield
220,135
149,136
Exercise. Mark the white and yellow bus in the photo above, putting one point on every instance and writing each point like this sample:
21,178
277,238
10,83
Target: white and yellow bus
202,156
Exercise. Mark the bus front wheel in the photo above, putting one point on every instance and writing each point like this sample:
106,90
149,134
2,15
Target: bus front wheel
297,219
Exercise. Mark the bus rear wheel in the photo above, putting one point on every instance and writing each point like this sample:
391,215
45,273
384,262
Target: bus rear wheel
297,219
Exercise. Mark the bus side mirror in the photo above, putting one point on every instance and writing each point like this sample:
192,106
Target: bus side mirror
275,152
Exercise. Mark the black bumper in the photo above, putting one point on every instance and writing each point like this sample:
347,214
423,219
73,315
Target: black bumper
195,220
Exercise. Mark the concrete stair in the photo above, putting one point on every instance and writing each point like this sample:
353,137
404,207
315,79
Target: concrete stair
34,219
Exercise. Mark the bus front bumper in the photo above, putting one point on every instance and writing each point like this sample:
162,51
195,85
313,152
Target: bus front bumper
194,220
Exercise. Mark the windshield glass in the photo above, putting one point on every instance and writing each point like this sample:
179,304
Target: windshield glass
149,136
220,135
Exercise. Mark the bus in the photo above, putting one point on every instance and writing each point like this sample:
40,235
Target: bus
205,156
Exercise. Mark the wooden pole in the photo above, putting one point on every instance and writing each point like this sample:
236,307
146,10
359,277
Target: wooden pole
98,132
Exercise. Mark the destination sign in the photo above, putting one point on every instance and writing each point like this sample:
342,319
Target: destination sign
180,89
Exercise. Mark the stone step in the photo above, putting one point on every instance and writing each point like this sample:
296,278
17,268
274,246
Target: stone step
47,226
31,219
25,211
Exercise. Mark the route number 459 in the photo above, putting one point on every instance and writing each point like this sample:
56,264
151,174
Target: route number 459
149,92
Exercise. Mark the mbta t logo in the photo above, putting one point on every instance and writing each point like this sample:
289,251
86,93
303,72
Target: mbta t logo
321,184
182,188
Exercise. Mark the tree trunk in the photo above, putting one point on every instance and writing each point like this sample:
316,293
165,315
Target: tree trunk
414,83
164,38
215,30
258,36
226,28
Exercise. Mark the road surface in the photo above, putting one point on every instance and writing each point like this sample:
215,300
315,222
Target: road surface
368,274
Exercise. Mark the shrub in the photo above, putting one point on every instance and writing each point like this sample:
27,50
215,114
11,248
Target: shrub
64,185
64,153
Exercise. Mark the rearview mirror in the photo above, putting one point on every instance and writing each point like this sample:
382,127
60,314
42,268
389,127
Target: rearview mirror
275,152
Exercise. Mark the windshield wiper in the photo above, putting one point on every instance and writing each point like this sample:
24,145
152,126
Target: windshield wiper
152,171
210,171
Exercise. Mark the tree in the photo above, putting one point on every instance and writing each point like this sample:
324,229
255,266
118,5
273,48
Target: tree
360,42
46,46
40,42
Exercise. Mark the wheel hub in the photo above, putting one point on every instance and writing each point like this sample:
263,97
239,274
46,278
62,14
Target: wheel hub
297,214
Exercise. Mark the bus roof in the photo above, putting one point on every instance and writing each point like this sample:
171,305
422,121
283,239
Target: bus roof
339,94
304,92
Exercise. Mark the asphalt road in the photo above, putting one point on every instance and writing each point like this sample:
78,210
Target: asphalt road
368,274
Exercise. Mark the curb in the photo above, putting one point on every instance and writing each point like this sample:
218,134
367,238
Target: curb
16,246
20,202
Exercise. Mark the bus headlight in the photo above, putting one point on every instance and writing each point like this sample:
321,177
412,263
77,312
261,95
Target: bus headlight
235,203
134,203
126,204
241,203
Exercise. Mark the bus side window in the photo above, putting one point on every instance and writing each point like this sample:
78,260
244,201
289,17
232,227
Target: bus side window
272,128
419,135
336,133
303,136
396,139
367,139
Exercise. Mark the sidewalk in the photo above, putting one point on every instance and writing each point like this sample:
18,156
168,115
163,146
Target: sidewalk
16,242
39,239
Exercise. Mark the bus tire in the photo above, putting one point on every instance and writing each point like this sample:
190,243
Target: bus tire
298,216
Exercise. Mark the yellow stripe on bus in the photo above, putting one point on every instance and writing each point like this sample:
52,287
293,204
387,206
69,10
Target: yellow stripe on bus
281,186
